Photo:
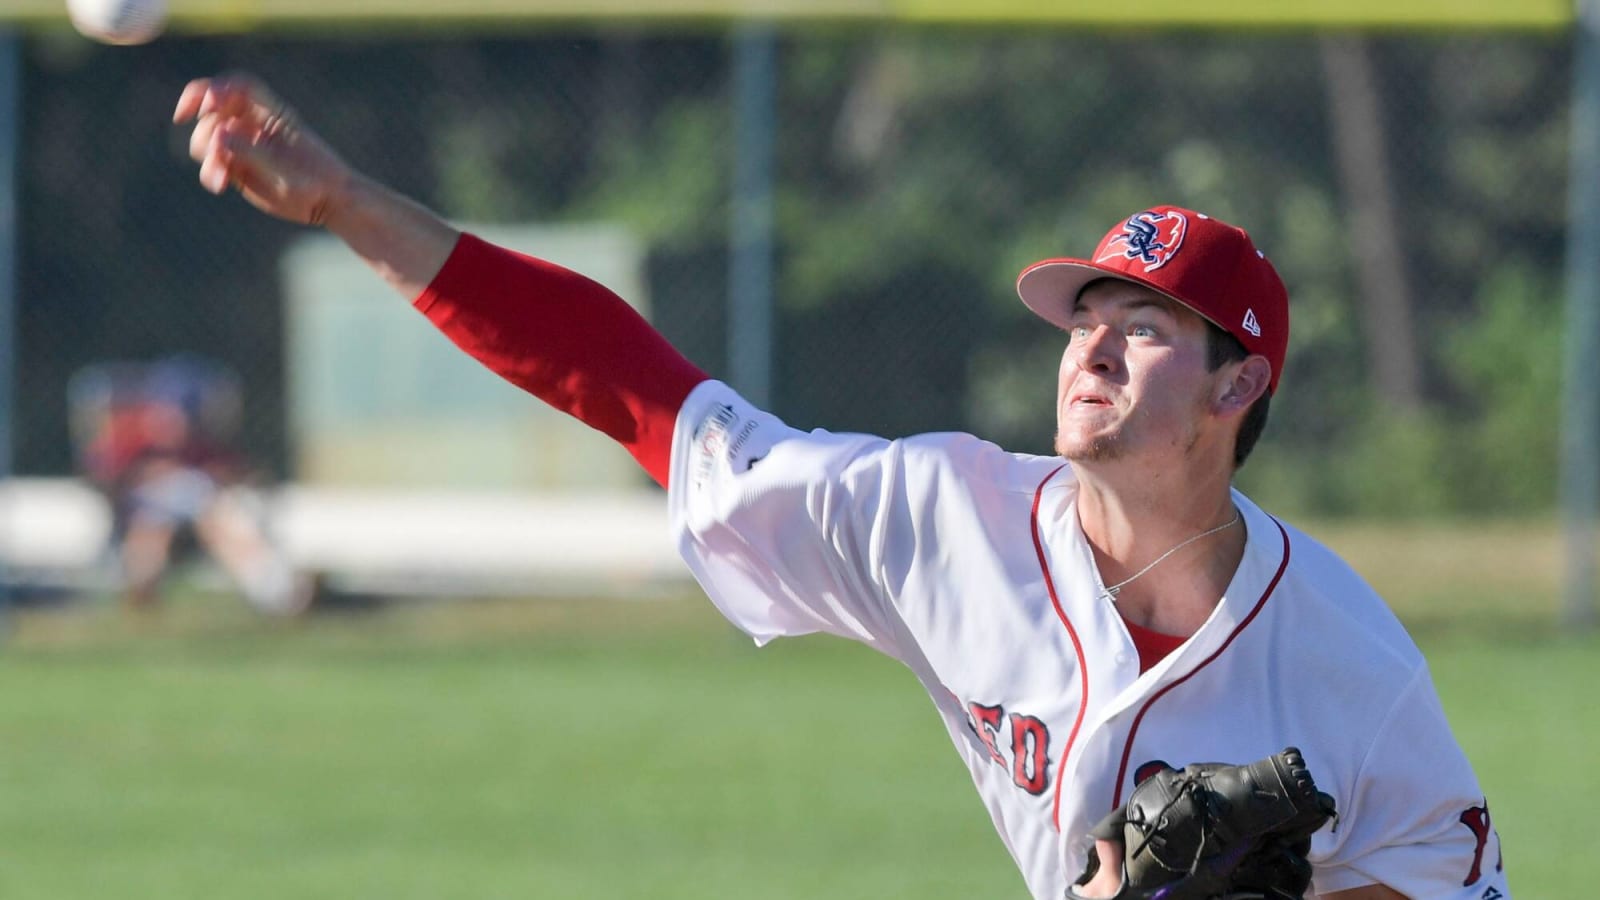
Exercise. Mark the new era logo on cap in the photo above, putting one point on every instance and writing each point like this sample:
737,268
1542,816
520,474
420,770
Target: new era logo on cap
1203,263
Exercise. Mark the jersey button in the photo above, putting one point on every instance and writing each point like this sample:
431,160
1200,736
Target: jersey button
1122,658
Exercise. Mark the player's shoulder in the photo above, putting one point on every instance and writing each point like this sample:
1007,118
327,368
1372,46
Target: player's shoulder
720,432
957,457
1345,606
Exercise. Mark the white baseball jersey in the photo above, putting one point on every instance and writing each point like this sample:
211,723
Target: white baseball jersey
968,564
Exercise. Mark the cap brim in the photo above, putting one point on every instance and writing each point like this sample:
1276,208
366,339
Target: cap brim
1050,288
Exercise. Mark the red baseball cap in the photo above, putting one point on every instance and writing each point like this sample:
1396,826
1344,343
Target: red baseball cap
1204,263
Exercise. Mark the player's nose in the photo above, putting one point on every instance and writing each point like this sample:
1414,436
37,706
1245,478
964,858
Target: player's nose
1098,351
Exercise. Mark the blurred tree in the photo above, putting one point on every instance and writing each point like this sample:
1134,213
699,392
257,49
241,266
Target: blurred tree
1379,256
919,169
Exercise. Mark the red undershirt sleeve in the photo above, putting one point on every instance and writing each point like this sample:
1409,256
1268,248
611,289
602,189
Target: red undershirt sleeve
567,340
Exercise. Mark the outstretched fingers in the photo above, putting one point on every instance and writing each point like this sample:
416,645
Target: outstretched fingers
217,161
231,95
247,139
189,101
200,137
232,114
234,101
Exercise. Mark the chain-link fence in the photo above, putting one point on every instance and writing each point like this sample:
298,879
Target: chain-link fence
1411,188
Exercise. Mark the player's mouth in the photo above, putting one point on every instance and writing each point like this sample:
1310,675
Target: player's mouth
1087,400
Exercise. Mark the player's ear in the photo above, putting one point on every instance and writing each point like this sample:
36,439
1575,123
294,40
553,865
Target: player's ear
1248,381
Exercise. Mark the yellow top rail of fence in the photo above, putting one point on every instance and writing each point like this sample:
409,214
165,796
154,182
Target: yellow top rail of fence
239,15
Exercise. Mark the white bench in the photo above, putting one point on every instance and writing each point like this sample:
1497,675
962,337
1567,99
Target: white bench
56,531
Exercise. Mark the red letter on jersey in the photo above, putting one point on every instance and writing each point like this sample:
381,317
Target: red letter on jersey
987,718
1030,753
1477,819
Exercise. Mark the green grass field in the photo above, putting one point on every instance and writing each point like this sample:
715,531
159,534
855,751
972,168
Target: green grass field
644,749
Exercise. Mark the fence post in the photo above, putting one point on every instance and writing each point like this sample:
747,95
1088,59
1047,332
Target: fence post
10,136
1580,416
750,294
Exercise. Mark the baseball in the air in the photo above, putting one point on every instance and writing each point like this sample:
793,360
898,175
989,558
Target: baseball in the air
119,21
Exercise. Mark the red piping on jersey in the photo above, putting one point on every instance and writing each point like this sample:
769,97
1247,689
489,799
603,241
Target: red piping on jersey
1127,748
1077,645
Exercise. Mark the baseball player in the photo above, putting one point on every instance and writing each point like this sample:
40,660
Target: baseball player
1081,621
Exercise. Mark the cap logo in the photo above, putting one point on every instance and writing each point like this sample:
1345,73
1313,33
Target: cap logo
1150,237
1250,323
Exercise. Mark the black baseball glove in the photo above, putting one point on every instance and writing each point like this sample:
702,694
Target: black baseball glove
1217,832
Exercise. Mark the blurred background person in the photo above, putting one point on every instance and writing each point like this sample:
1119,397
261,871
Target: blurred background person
157,440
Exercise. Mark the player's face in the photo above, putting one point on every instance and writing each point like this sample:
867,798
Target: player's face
1133,381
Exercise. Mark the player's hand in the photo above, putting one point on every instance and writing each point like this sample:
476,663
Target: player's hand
247,138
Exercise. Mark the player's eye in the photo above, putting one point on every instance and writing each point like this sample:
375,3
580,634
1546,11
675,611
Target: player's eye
1144,331
1078,332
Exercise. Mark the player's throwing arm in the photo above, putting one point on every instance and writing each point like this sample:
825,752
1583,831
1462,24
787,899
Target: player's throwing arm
552,332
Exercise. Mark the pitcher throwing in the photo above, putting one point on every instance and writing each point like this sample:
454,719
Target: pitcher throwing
1121,645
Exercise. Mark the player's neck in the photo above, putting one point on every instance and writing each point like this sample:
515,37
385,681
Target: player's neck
1130,526
1126,509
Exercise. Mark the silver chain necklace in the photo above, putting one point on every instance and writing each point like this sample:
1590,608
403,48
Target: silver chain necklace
1113,590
